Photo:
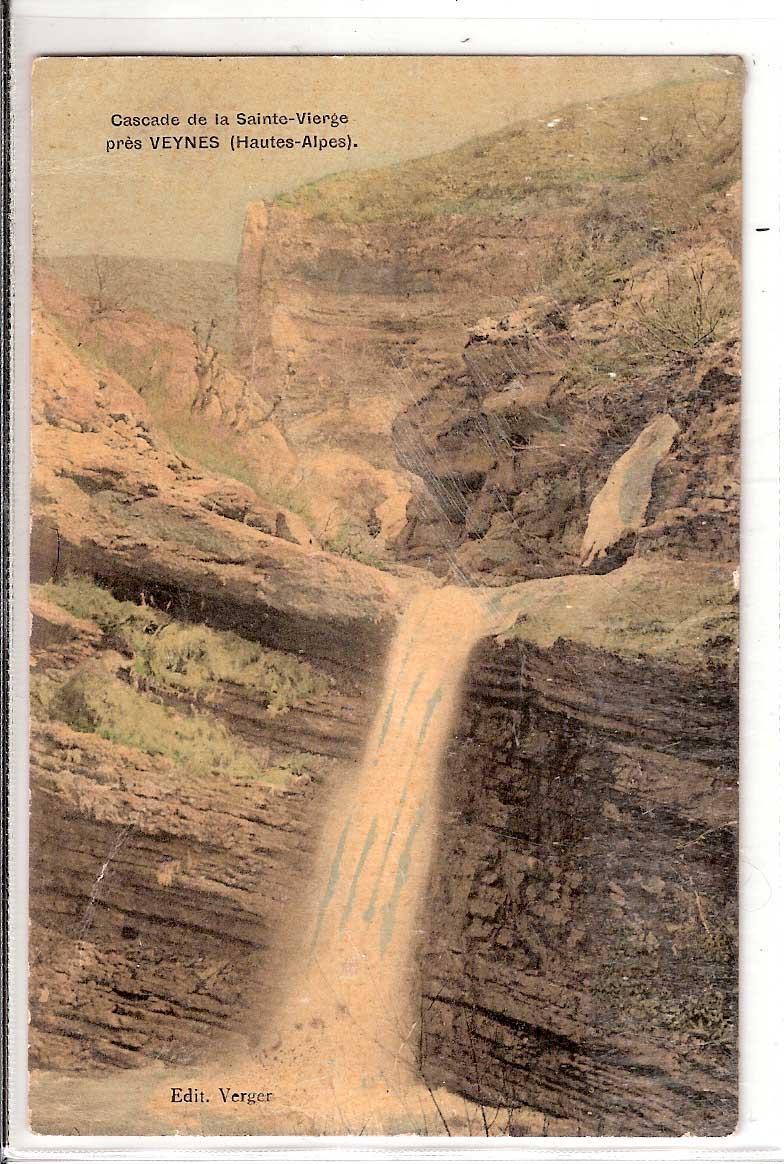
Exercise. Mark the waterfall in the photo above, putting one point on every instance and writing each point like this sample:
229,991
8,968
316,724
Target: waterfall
354,1004
350,1025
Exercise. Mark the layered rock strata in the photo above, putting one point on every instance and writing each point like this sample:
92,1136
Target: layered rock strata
583,950
160,898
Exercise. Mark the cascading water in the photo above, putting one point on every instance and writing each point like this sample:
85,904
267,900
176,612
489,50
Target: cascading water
340,1007
351,1018
356,994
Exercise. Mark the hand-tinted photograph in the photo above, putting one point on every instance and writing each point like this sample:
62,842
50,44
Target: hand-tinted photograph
384,596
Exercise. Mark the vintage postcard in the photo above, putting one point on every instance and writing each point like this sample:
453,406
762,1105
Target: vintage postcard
384,559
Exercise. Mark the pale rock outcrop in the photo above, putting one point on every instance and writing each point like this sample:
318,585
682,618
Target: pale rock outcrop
620,506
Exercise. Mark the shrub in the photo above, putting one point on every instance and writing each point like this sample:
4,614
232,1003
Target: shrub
692,312
351,541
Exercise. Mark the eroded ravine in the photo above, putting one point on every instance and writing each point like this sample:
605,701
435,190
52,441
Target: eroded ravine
341,1050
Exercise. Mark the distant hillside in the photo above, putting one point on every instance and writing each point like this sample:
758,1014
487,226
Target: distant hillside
677,136
174,291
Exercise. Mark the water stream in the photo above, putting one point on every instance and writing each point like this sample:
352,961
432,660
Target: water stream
355,1000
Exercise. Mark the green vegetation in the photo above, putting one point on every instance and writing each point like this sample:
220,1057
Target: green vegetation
680,611
282,771
604,185
288,496
171,660
107,707
351,541
188,659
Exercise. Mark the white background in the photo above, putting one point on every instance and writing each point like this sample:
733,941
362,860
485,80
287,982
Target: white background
226,26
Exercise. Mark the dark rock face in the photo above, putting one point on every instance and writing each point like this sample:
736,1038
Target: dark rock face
149,926
582,957
695,508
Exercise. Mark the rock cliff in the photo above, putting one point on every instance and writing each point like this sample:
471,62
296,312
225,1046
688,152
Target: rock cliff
514,448
160,895
157,889
502,321
113,499
343,323
583,912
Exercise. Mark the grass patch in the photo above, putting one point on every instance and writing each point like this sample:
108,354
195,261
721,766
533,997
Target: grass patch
107,707
191,659
288,767
287,496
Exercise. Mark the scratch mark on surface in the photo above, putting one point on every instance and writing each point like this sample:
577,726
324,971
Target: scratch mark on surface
89,913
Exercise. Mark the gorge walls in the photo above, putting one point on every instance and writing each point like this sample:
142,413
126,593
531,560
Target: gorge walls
367,337
471,342
159,892
579,944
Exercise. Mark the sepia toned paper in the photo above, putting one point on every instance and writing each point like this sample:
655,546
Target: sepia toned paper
384,559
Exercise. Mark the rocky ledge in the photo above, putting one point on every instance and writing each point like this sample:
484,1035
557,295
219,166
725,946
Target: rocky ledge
113,500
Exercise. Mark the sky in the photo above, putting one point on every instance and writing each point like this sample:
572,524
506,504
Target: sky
190,204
